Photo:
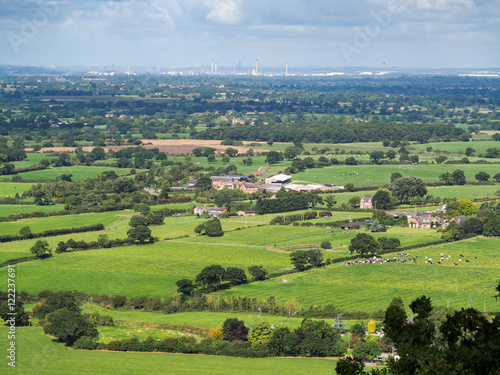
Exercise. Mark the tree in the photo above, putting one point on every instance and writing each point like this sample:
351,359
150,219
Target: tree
348,366
326,245
351,161
469,151
273,157
211,158
21,317
140,233
137,220
185,287
382,199
237,331
391,154
446,178
395,176
258,272
68,326
261,333
461,207
25,232
235,276
65,177
104,241
363,244
210,276
407,188
204,183
40,248
320,339
283,342
213,228
497,177
441,159
291,152
482,176
299,259
223,198
331,201
365,351
315,257
57,300
98,153
376,227
232,152
359,329
458,177
376,156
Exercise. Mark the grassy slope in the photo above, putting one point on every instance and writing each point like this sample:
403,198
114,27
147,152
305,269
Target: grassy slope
79,173
371,287
38,354
378,175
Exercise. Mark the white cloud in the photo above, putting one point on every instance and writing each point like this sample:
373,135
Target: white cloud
224,12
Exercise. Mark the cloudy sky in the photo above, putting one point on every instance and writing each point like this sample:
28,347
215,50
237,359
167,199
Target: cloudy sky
183,33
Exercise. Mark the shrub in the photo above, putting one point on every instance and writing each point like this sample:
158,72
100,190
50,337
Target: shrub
326,245
86,343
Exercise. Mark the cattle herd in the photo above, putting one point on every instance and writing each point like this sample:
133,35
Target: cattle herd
428,260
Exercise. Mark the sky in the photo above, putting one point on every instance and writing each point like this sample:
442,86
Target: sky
190,33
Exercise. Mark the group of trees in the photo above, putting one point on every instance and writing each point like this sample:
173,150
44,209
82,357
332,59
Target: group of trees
485,220
210,279
304,259
364,244
211,228
61,316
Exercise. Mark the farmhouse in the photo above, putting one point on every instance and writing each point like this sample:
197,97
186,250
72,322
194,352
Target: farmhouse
425,220
212,211
366,203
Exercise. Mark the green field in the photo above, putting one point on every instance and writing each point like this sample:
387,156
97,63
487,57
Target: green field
36,353
379,175
11,209
79,172
158,266
11,188
371,287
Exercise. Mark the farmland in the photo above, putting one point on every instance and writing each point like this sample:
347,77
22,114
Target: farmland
137,154
37,353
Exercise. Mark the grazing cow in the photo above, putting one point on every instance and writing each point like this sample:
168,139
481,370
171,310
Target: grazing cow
461,256
467,260
439,262
455,264
475,258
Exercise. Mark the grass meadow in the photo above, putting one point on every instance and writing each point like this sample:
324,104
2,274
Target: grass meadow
156,267
79,172
379,175
38,354
11,209
9,189
371,287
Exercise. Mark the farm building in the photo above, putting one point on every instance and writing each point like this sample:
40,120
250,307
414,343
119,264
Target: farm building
212,211
246,213
279,179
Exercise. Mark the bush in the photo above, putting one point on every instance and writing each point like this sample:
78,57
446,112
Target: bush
85,343
326,245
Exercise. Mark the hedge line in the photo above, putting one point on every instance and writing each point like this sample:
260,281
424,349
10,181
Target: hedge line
52,233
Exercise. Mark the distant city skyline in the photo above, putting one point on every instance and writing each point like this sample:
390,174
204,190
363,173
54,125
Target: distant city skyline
192,33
